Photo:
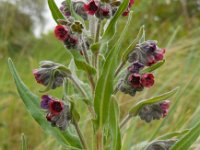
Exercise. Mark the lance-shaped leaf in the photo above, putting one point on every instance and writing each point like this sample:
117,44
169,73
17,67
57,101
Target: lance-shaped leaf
188,139
81,64
104,87
55,11
111,29
139,105
32,103
114,124
153,67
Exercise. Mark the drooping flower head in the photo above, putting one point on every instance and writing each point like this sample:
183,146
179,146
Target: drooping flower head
48,75
91,7
61,32
154,111
147,53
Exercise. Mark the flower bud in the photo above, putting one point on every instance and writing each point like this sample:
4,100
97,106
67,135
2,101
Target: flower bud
79,9
49,75
147,53
154,111
91,7
65,9
161,145
147,80
135,67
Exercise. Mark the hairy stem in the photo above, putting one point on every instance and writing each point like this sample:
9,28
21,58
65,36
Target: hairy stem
88,61
97,35
125,121
90,108
80,135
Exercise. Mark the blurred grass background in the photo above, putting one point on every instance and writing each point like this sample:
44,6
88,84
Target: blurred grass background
174,23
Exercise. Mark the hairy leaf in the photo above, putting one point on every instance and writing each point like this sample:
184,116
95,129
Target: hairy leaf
32,103
55,11
114,124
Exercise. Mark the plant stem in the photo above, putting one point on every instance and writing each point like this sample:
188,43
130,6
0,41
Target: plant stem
125,120
99,137
119,68
97,35
80,134
90,108
78,86
88,61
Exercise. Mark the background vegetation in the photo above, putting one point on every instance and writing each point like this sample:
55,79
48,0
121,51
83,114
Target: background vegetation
174,23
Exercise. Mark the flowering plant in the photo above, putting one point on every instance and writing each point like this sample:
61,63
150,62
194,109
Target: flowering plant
85,29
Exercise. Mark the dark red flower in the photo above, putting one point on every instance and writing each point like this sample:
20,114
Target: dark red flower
147,80
61,32
150,60
126,12
165,107
71,42
37,76
49,116
103,12
135,80
91,7
56,106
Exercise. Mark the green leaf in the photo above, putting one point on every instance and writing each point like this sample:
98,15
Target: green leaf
104,87
153,67
139,105
173,134
55,11
132,45
188,139
81,64
111,29
75,113
24,142
32,103
114,124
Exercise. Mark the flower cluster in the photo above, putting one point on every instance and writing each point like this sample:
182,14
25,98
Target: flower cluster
64,33
147,53
58,113
136,81
154,111
49,75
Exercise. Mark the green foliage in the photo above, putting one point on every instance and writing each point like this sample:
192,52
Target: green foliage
55,11
24,142
31,101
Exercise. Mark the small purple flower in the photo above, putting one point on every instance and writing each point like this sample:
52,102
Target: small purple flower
135,67
45,101
147,53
